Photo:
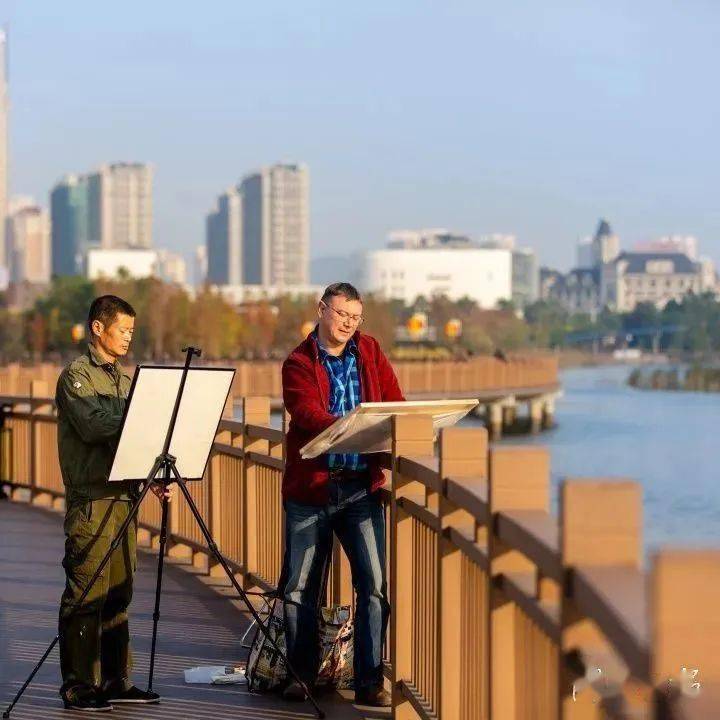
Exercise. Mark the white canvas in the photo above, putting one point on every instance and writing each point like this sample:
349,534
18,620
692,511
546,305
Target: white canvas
368,428
148,417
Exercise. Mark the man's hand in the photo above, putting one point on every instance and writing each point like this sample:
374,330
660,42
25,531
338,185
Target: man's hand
163,491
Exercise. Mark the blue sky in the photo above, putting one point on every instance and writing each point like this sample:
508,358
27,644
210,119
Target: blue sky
527,117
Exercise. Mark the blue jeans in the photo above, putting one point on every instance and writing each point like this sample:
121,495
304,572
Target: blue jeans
358,520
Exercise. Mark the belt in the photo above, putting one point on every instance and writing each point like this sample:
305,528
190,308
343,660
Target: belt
347,474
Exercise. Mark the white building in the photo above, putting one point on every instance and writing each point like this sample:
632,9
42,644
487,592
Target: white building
501,241
482,274
654,278
171,267
239,294
108,263
200,265
708,275
426,238
683,244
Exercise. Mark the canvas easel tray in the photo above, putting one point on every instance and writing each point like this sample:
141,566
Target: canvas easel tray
368,428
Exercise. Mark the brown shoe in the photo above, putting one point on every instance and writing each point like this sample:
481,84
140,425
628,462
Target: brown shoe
373,696
294,692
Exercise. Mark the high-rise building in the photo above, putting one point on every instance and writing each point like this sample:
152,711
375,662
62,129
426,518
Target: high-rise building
525,277
276,226
28,242
605,245
120,202
110,208
584,253
3,146
224,240
71,239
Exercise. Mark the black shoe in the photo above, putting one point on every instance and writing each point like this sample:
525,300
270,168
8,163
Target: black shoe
88,701
294,692
132,695
373,696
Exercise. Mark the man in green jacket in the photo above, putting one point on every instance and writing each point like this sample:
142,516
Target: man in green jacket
95,657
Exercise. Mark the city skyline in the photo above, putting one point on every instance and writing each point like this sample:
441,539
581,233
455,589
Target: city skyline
109,207
534,132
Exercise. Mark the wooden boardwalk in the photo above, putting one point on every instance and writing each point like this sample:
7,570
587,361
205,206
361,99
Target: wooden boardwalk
199,625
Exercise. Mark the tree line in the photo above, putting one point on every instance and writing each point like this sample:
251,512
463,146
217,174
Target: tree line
168,318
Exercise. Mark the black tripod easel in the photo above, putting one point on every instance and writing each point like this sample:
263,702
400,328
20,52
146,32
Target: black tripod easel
164,472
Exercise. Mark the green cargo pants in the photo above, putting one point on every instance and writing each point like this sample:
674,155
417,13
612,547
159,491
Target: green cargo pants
94,640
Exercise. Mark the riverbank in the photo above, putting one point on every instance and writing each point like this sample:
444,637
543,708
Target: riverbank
569,359
681,378
665,440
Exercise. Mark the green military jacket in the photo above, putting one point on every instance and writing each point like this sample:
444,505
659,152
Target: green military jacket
90,398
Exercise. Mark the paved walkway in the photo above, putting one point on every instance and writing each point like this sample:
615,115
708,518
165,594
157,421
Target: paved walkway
199,625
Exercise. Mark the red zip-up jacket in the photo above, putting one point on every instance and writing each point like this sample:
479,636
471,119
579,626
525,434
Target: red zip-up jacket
306,394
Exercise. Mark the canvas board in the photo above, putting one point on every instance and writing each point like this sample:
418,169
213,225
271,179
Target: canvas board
368,428
148,413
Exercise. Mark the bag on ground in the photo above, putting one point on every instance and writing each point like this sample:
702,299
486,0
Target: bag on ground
266,669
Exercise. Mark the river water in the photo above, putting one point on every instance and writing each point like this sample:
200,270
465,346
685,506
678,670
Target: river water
668,441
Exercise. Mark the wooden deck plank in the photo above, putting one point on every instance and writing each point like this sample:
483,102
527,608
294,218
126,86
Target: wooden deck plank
198,625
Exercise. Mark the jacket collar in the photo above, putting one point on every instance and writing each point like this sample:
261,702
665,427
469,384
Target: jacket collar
322,353
96,359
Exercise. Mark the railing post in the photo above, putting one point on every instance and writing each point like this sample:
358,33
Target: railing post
684,612
600,525
519,479
38,389
463,454
412,435
5,452
256,411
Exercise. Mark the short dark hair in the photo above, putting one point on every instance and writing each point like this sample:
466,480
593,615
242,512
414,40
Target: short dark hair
106,308
345,289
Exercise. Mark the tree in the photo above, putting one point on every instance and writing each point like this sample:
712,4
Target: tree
65,305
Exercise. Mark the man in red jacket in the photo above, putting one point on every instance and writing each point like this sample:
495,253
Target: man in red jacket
326,376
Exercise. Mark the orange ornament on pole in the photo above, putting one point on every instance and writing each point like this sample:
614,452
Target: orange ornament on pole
417,325
453,328
77,332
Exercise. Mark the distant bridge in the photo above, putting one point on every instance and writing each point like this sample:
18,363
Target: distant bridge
621,335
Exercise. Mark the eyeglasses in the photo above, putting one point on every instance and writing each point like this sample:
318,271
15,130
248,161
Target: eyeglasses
354,319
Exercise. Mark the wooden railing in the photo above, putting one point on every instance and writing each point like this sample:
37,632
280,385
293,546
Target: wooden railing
416,378
499,610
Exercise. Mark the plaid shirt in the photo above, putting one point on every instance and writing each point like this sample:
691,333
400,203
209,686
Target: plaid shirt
344,396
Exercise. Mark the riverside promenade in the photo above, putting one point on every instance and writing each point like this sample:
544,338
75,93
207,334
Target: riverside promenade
500,610
522,388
